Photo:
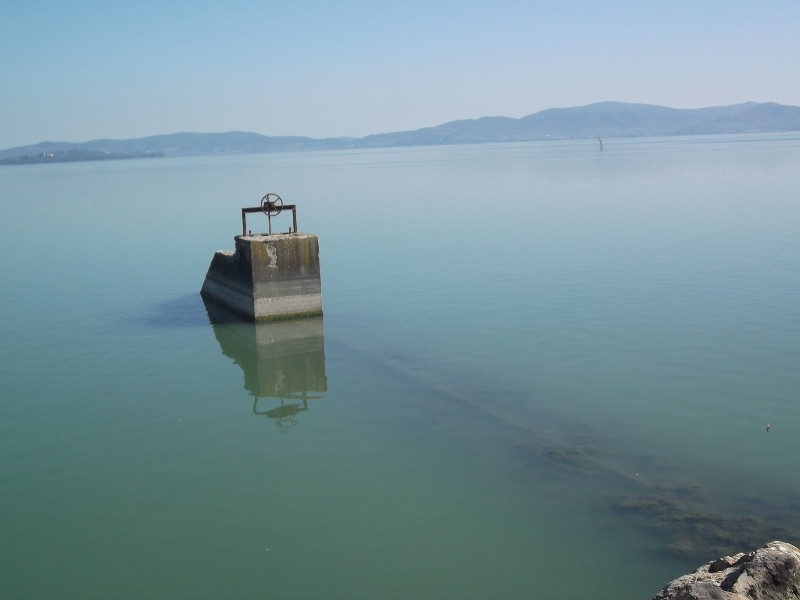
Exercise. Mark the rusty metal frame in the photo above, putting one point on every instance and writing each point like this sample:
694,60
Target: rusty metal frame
259,209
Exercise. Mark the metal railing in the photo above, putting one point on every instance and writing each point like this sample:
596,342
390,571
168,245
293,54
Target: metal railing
271,205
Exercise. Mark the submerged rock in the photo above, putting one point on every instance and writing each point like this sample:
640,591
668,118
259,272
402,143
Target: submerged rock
678,515
769,573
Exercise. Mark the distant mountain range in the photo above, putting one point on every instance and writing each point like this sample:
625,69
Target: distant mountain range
603,119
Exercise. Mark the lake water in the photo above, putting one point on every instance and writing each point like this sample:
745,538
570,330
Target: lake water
544,371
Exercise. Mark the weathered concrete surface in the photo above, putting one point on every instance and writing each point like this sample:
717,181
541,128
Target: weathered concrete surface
769,573
268,277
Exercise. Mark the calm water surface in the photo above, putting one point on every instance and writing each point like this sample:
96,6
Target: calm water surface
544,371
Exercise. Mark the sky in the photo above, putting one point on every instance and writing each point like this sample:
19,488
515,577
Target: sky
83,70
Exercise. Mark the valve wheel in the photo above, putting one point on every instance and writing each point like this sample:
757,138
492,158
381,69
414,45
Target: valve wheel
271,205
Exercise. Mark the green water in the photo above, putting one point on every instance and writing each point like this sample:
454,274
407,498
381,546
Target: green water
543,371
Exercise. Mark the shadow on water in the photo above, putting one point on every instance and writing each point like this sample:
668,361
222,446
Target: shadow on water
184,311
283,362
688,521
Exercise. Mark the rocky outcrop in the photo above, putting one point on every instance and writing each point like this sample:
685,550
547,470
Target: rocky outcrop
769,573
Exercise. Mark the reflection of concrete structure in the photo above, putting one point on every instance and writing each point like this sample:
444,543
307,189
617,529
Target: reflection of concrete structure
283,360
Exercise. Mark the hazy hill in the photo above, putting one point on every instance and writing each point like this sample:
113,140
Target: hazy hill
605,119
755,118
175,144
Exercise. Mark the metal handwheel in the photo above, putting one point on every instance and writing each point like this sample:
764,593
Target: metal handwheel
271,205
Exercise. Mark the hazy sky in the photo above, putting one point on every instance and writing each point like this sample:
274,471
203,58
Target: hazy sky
80,70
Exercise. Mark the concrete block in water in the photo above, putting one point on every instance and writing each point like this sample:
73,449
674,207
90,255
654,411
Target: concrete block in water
267,277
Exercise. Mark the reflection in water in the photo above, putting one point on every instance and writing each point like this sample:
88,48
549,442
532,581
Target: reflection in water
283,361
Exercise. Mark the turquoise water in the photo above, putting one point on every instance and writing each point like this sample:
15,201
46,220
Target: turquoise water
543,371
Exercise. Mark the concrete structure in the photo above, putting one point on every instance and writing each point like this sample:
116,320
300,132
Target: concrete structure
267,277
